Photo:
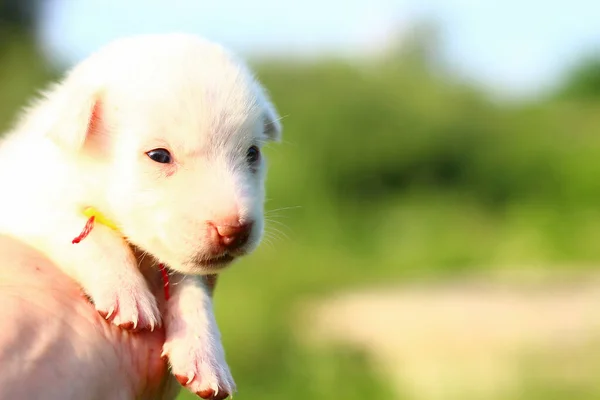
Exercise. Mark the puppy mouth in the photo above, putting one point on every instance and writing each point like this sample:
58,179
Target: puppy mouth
216,262
197,263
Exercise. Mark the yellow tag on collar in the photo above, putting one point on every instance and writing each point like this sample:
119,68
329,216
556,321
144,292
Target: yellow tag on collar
99,217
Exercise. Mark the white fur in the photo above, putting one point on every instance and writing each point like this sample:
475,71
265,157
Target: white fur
175,91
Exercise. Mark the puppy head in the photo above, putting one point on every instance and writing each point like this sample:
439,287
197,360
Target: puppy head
175,126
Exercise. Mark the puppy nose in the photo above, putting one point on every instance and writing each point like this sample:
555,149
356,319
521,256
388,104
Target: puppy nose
233,236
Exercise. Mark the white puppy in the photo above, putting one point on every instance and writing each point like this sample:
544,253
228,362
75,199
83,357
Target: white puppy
161,134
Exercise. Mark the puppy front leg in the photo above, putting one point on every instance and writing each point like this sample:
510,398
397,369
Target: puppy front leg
106,268
193,341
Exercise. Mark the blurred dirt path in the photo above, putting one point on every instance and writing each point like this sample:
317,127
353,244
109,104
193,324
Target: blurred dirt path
473,339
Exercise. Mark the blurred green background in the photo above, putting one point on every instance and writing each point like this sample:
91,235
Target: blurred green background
393,170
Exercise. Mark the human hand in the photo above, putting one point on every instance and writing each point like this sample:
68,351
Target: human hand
54,345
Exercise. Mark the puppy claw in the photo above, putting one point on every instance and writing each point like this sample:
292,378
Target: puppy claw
191,378
131,307
155,324
210,377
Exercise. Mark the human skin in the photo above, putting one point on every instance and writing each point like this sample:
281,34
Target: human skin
55,345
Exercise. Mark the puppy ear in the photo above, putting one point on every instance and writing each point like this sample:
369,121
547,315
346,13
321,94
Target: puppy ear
77,118
272,123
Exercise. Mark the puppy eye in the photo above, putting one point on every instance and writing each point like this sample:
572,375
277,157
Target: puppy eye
160,155
253,155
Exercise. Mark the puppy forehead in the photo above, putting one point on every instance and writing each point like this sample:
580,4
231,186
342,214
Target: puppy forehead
201,121
192,107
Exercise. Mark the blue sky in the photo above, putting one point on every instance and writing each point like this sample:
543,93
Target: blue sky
514,47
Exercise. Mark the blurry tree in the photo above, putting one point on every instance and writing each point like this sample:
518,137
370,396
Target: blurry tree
403,123
18,13
420,45
583,82
22,65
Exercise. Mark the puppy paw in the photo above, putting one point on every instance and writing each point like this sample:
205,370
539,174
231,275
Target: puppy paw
128,305
200,367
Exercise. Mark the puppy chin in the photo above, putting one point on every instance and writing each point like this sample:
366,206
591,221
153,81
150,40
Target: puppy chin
202,266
